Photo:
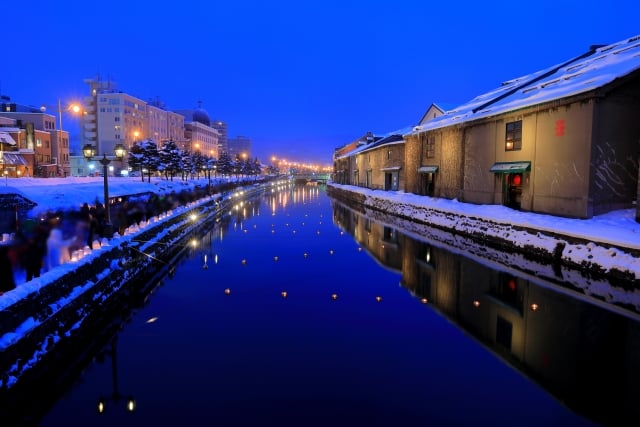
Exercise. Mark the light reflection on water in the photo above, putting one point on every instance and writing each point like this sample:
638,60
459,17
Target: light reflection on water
278,316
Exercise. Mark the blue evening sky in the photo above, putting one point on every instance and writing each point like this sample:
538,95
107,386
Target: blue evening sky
299,78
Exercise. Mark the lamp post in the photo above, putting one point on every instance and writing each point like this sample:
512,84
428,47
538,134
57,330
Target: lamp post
89,152
75,109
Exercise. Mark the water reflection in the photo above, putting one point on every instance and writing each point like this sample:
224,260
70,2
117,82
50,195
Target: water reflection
115,399
292,323
583,351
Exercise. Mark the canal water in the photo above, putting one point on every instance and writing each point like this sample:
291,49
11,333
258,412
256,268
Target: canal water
297,310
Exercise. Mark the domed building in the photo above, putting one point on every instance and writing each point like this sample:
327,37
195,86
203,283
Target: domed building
201,116
198,133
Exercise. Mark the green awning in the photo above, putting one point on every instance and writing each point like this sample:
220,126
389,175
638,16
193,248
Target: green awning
427,169
510,167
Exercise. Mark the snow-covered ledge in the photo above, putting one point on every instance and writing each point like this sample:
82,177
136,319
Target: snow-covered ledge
607,244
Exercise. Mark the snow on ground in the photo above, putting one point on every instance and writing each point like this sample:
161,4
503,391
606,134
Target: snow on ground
617,228
72,192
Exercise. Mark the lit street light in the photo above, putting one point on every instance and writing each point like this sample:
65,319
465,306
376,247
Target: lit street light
88,151
75,109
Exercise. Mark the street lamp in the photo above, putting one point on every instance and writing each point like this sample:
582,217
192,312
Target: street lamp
89,152
75,109
136,134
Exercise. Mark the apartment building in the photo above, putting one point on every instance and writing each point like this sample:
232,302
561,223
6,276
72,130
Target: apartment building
240,146
41,148
200,135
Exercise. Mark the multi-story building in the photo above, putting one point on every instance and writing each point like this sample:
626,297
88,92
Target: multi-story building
120,118
114,117
199,135
239,146
221,127
164,125
110,117
39,140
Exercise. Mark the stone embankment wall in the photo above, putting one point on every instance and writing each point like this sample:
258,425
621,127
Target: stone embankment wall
36,323
602,260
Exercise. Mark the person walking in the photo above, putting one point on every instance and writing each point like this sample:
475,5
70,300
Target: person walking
35,251
7,281
57,249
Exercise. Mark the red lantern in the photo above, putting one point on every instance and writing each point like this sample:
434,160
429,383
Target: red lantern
517,179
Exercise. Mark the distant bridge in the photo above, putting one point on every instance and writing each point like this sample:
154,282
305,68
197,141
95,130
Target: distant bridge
311,178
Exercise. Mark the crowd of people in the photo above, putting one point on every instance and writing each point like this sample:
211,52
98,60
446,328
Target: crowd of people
43,243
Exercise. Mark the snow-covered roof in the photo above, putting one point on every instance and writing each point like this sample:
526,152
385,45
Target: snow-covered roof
592,70
390,138
6,138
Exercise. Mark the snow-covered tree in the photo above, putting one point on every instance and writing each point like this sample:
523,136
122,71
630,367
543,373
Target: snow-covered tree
186,164
199,163
144,155
135,156
224,165
170,159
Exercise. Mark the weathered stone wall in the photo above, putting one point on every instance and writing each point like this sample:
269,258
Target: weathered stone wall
551,248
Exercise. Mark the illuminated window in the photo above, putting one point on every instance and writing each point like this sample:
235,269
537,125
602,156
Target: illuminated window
513,137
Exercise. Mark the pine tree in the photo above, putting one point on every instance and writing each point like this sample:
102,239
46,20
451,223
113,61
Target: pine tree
135,157
224,164
150,157
170,158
